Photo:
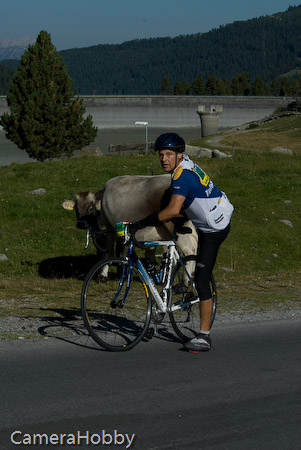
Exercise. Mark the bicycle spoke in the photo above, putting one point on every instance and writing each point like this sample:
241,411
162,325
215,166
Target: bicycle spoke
116,314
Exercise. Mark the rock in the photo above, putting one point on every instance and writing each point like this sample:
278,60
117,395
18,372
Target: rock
204,152
40,191
3,257
226,269
287,222
284,151
90,151
219,154
191,150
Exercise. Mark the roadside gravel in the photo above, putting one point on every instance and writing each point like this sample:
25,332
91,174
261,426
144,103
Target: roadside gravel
12,327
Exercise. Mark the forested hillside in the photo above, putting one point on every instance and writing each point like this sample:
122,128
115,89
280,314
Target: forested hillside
267,46
258,50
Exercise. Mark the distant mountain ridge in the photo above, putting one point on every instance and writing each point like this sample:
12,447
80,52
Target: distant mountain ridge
267,46
13,48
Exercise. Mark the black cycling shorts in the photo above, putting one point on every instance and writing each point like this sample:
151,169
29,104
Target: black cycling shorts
208,246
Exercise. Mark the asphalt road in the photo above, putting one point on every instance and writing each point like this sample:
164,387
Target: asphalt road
244,394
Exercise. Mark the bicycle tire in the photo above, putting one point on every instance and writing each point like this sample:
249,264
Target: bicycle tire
186,320
113,327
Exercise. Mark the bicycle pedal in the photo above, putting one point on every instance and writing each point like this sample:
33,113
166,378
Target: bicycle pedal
150,333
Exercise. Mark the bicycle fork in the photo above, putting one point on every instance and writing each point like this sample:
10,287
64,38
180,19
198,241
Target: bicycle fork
125,276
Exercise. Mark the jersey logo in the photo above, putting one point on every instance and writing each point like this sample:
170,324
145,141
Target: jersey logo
204,179
177,173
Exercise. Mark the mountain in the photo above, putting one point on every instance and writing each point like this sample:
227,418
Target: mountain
15,47
266,46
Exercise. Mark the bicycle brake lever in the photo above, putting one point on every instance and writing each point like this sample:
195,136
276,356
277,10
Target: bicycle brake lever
88,234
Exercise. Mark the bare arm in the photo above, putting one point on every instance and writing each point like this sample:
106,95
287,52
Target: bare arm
174,207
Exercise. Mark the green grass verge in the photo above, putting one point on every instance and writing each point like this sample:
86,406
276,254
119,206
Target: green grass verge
258,266
282,132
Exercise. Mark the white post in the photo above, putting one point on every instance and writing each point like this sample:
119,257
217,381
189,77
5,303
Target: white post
146,135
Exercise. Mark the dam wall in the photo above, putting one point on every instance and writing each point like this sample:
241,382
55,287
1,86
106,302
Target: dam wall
174,111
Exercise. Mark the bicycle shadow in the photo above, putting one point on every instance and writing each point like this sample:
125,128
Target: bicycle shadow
63,324
67,325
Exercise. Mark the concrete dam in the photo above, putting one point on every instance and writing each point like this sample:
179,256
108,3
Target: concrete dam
174,111
177,111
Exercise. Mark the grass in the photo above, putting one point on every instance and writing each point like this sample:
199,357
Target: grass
282,132
258,267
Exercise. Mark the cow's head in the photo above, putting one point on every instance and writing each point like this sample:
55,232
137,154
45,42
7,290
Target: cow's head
87,205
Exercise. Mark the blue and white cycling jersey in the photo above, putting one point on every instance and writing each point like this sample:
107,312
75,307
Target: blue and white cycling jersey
205,205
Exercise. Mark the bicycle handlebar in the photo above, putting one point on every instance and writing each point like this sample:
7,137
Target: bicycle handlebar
179,228
92,231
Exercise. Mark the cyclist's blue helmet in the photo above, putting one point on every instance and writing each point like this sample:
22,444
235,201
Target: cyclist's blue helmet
170,141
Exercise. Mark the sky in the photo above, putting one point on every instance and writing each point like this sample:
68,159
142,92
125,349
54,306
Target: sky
82,23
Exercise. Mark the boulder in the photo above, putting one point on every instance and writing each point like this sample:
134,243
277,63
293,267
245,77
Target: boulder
283,151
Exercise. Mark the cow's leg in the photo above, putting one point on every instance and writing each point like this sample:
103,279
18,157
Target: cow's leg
108,254
119,247
150,253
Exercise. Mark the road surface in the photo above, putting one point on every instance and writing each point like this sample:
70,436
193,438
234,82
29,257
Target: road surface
244,394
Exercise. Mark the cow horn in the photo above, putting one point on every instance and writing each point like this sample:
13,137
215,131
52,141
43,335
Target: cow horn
68,205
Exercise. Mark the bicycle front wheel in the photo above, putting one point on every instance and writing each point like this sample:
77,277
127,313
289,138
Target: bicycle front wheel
116,309
184,304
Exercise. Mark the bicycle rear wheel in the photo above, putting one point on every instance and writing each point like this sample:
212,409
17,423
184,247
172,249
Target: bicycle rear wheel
185,319
116,315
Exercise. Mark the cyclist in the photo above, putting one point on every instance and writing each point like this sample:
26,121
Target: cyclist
193,193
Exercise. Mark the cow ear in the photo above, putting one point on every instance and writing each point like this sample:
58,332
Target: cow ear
68,205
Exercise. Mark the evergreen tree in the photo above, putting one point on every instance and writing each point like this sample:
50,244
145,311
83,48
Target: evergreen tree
275,87
5,77
241,84
260,87
45,119
165,86
198,87
227,86
182,88
284,87
215,86
296,87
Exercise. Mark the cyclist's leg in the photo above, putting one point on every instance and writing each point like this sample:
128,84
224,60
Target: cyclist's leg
184,317
208,247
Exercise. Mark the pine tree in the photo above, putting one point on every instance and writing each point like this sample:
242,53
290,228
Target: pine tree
181,88
198,87
285,87
275,87
215,86
45,119
165,86
241,84
260,87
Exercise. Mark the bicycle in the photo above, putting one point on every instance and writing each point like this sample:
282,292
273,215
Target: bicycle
118,307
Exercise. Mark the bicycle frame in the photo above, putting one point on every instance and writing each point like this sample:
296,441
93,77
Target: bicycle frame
174,257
